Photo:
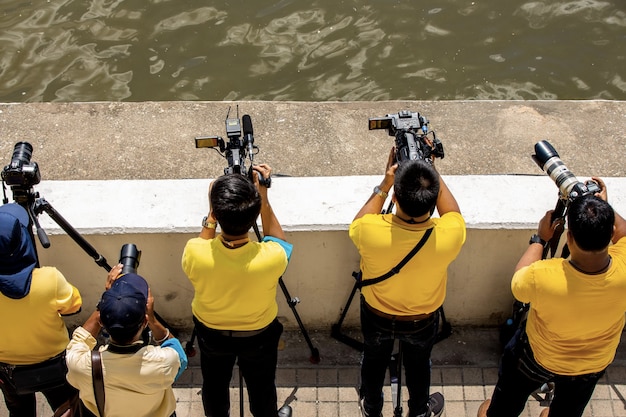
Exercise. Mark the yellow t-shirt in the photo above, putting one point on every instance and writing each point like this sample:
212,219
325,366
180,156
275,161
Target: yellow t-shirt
575,320
235,289
420,286
31,327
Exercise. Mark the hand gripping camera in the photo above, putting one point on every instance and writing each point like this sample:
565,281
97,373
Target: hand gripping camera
238,148
411,132
547,158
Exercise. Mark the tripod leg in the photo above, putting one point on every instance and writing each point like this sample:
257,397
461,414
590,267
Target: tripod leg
395,377
315,354
335,331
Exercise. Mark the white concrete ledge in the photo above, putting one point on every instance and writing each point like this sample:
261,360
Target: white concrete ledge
301,204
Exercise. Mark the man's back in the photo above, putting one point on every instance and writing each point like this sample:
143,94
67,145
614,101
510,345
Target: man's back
574,315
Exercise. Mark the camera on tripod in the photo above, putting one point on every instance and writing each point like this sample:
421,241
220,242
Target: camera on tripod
547,158
129,258
411,132
21,173
238,147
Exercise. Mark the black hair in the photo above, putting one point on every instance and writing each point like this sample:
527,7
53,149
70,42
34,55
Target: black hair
124,336
416,187
236,203
590,221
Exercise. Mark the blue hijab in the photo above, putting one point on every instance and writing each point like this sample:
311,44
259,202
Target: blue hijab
17,252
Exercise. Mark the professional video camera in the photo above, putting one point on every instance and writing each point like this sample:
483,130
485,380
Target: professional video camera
238,148
129,258
547,158
411,132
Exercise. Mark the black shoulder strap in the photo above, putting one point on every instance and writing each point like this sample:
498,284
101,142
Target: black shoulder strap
98,380
398,267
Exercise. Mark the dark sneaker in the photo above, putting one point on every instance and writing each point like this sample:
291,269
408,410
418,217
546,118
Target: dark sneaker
285,411
365,413
435,406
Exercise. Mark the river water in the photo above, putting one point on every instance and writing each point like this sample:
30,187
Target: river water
327,50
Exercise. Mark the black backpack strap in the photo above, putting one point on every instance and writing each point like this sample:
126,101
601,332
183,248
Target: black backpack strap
398,267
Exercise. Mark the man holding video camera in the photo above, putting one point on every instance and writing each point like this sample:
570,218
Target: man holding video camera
33,333
137,376
405,306
235,281
576,313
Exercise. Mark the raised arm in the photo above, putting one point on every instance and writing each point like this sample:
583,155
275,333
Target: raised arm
374,204
445,201
271,226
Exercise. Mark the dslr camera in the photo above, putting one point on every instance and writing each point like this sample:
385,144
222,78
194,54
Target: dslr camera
238,148
129,258
411,132
547,158
21,173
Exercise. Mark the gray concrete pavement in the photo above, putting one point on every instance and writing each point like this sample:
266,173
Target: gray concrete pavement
464,370
155,140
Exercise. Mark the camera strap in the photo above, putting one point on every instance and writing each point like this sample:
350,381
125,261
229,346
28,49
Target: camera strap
98,380
398,267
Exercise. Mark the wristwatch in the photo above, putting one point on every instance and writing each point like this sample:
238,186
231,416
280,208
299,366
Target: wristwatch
380,192
536,239
206,223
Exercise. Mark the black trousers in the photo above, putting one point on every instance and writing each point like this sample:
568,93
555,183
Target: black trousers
257,358
25,405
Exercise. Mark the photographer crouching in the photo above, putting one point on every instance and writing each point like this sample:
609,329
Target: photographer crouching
34,335
137,376
235,281
405,306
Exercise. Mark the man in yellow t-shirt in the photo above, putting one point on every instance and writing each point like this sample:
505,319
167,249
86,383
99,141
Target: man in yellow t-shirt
405,306
234,305
576,313
32,300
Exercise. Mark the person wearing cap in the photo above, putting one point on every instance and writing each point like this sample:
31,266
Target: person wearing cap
234,305
32,301
137,376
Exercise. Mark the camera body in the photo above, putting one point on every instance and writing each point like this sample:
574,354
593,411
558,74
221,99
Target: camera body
411,132
547,158
129,258
21,172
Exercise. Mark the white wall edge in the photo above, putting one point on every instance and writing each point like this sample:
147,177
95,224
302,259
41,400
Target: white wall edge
301,204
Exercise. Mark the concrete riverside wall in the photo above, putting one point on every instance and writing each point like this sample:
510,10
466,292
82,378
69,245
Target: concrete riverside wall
129,173
160,215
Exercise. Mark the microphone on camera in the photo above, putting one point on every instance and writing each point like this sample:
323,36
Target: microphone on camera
248,133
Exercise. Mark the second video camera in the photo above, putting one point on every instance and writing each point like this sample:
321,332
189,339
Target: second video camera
411,132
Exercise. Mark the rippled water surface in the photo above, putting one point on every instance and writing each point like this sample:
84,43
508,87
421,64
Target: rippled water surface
143,50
